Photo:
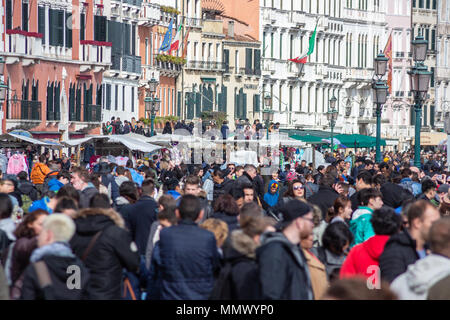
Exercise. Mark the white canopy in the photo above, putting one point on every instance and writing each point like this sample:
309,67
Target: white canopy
34,141
134,144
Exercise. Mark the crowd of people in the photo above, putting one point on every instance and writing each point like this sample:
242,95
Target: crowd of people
158,231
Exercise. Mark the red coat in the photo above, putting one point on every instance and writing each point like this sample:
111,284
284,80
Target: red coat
362,256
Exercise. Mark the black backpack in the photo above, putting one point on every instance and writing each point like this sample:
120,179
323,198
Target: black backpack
47,179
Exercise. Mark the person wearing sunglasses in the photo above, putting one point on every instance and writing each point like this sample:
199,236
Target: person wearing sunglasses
296,190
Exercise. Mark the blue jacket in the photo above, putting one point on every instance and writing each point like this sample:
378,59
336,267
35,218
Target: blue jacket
55,185
174,194
272,198
140,217
189,257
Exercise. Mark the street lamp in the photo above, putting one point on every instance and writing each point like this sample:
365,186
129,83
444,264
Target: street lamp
380,93
152,103
332,116
420,82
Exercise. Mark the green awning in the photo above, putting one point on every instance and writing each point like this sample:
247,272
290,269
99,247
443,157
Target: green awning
358,141
308,138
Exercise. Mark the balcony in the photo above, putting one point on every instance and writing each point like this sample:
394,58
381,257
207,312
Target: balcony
400,54
298,18
150,15
136,3
95,52
25,110
359,74
206,65
131,64
168,69
22,43
194,22
362,15
92,113
166,17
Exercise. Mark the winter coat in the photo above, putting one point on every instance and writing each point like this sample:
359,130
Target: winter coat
399,252
4,292
332,262
231,221
394,195
39,172
223,188
360,225
243,180
16,164
86,195
20,258
150,244
272,198
310,189
420,276
414,187
58,270
8,226
208,186
113,251
189,258
283,272
324,198
363,256
139,218
27,188
55,185
243,274
319,282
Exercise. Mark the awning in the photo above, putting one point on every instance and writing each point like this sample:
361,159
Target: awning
35,141
359,141
134,144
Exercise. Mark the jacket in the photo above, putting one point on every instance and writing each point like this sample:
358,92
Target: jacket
319,282
360,225
414,187
331,261
222,188
16,164
310,189
394,195
231,221
86,195
139,218
39,172
272,198
20,258
113,251
420,276
399,252
363,256
55,185
324,198
283,272
4,294
243,283
189,258
58,268
439,291
27,188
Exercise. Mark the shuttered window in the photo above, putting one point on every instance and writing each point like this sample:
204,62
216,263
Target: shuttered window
432,111
78,105
99,28
116,95
50,101
256,103
9,16
126,38
132,99
56,101
108,97
24,16
82,26
248,61
56,19
72,103
68,30
257,62
133,39
178,104
226,59
41,22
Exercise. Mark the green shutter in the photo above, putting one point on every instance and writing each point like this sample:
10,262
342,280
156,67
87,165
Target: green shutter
82,26
236,104
244,106
68,30
56,102
50,113
413,117
78,105
248,61
257,62
126,38
41,22
99,28
52,26
432,111
178,104
425,115
226,59
224,99
9,14
241,104
60,27
198,104
72,103
256,103
24,16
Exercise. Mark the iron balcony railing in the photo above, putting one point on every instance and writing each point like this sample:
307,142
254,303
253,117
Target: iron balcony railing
25,110
206,65
93,113
131,64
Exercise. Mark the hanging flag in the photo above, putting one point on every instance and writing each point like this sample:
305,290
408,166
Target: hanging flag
176,41
185,43
167,38
388,53
303,58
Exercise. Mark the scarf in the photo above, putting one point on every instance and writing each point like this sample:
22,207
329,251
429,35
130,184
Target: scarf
59,249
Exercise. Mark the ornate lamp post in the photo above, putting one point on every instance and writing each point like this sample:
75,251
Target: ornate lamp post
267,112
420,82
3,89
152,103
332,116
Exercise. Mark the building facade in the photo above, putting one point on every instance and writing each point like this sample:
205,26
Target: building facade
54,68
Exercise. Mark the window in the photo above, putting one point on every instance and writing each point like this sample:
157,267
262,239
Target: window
9,15
434,5
123,98
432,77
41,22
291,47
421,3
99,28
69,30
271,45
433,40
24,16
281,46
82,26
264,44
428,4
116,96
236,61
146,51
56,22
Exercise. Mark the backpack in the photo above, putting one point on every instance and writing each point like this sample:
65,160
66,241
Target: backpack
47,179
26,203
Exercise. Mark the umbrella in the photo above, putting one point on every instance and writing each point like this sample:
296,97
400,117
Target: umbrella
335,141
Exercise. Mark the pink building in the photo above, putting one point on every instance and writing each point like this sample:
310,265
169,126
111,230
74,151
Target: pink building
396,112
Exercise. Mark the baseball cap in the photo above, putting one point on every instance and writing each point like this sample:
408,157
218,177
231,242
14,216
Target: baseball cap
292,210
443,188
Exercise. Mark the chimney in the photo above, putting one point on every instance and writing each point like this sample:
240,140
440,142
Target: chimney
231,29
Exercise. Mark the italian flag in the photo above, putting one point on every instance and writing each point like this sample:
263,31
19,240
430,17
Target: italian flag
176,41
303,58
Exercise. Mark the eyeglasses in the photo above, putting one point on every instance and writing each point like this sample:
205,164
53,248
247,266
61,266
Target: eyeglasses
298,187
309,219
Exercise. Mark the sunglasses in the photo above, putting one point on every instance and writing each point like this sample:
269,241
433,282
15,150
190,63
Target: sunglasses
298,187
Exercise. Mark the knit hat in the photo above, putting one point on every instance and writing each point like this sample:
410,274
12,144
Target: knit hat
292,210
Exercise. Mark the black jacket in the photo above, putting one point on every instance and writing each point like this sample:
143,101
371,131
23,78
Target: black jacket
399,252
324,199
223,188
27,188
86,196
231,221
394,195
140,217
112,251
58,268
283,272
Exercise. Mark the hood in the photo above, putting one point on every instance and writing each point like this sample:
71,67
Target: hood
375,245
25,187
425,272
120,180
121,201
269,237
359,212
58,267
54,185
243,244
92,220
270,185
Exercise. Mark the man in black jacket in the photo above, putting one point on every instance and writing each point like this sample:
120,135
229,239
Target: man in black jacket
141,215
55,273
283,272
408,246
325,197
81,181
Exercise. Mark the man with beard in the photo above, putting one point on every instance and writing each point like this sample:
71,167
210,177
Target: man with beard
283,272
